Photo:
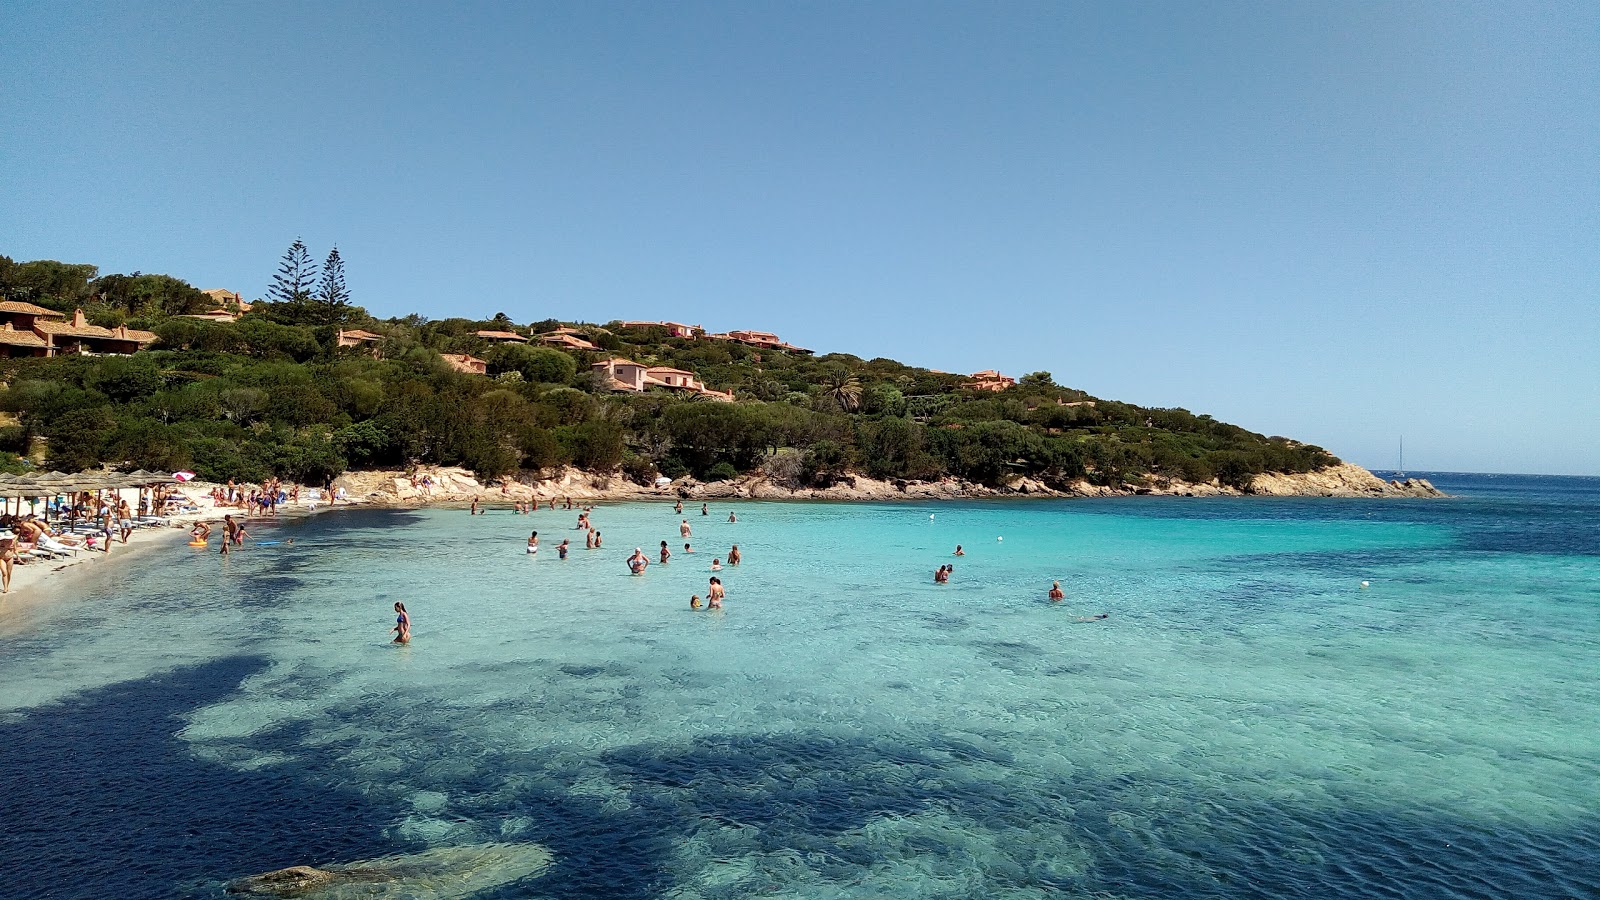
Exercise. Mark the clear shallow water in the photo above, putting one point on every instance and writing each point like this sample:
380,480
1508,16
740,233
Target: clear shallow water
1249,722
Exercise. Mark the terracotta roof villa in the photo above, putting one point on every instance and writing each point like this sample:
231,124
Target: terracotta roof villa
21,316
676,329
215,315
990,380
627,375
14,343
566,341
466,362
764,340
228,299
355,337
78,336
502,337
624,374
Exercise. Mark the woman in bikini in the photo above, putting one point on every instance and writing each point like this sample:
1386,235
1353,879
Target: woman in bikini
402,625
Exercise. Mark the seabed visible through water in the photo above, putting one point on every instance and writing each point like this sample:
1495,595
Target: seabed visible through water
1249,722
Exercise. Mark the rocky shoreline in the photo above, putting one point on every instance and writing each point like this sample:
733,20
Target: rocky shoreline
455,485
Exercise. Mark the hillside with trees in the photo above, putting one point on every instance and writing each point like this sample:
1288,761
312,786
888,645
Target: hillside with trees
274,393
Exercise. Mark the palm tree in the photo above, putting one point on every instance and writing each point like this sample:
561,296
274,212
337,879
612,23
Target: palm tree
844,388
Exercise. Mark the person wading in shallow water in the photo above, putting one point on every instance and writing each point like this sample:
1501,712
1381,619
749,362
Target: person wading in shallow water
715,594
402,625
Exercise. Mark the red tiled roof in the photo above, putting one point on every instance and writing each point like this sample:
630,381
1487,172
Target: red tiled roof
14,338
120,333
359,335
501,336
28,309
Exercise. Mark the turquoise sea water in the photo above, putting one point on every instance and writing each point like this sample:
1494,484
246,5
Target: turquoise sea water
1248,722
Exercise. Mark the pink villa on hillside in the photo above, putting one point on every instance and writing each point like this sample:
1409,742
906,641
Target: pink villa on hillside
763,340
676,329
466,362
624,374
627,375
990,380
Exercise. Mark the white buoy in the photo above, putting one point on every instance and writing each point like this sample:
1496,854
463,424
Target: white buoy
999,538
930,515
1366,584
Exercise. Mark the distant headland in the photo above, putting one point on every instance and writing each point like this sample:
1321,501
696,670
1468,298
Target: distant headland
147,372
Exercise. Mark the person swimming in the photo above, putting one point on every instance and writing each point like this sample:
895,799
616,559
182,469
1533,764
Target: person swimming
734,556
959,551
402,625
715,594
687,548
533,542
1056,594
716,565
1094,618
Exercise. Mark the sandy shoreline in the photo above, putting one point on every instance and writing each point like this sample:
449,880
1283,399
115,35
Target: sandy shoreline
46,579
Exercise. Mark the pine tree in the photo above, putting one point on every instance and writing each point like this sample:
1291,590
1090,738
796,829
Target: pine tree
296,274
332,295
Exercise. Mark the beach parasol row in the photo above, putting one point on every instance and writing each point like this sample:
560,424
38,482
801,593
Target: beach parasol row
60,482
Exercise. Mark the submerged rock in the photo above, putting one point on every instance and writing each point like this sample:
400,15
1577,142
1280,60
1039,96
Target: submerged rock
441,873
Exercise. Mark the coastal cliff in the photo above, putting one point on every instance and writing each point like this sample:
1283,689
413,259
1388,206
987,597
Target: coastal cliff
456,485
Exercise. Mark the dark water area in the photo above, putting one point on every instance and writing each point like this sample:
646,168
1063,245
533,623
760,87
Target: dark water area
102,799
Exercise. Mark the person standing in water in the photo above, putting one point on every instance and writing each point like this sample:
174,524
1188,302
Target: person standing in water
715,594
705,509
694,602
561,551
402,625
665,553
533,542
683,529
734,556
637,562
678,508
732,518
959,551
1056,594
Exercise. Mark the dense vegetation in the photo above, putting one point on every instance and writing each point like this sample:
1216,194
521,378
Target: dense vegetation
273,394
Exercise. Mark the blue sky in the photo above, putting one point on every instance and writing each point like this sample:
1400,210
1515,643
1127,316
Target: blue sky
1343,222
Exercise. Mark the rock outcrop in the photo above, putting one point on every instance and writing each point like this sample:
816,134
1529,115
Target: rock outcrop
442,873
454,485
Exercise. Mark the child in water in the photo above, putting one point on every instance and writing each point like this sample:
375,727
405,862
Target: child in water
694,602
716,565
